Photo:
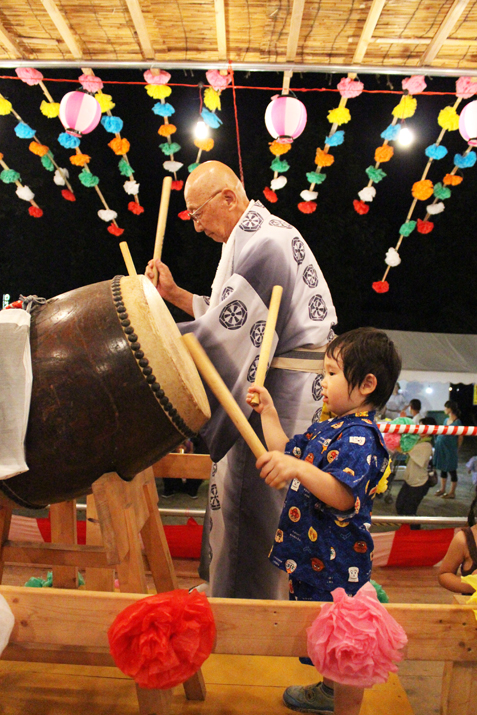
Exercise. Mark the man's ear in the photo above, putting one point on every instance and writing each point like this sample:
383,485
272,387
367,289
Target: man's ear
369,384
229,197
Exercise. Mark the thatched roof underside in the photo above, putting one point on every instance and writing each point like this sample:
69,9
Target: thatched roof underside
406,33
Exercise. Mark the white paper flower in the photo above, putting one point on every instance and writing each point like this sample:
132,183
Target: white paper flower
131,187
278,183
60,176
433,209
367,194
7,621
308,195
172,166
25,193
392,257
107,215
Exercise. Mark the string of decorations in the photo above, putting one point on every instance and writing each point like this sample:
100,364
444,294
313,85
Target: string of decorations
424,189
348,88
212,101
10,176
384,153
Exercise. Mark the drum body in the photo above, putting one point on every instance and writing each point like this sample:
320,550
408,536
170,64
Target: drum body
114,390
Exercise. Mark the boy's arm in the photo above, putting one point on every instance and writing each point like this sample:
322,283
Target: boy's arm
273,432
447,574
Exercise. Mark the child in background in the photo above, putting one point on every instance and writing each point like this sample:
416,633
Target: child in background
472,469
322,540
461,554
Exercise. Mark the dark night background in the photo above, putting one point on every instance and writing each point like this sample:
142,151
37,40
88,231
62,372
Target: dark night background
432,290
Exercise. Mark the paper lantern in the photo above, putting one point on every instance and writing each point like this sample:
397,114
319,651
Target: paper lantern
468,123
285,117
79,113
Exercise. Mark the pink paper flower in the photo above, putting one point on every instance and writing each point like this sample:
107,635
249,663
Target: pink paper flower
162,78
350,88
414,84
354,640
218,81
392,441
465,87
91,83
29,75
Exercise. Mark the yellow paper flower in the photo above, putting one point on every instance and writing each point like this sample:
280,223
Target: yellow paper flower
383,153
383,482
166,130
105,101
422,190
472,581
80,159
50,109
119,146
38,149
340,115
5,106
279,148
322,158
212,99
406,107
448,119
452,180
204,144
158,91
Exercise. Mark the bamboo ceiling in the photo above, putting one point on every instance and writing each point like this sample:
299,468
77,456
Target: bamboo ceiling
379,33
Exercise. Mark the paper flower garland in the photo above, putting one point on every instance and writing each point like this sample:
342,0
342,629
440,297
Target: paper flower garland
9,176
348,88
384,153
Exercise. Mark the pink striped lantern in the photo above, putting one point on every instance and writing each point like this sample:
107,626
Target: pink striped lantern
79,113
468,123
285,117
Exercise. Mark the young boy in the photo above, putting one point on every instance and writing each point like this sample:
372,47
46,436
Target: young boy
322,539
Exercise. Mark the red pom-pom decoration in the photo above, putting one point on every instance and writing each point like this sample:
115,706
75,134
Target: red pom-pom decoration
115,230
135,208
177,185
184,216
35,211
68,195
381,286
162,640
307,207
424,226
270,195
15,304
360,207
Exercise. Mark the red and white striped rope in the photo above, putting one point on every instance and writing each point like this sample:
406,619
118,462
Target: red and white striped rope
389,428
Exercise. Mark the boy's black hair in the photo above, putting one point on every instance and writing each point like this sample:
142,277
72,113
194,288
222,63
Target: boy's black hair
415,404
363,351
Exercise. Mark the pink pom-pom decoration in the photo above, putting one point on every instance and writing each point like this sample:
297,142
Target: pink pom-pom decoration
465,87
354,640
350,88
218,81
91,83
29,75
392,441
162,78
414,84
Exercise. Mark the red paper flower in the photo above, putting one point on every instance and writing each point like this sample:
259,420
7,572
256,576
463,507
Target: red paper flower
184,216
35,211
177,185
115,230
424,226
135,208
360,207
68,195
270,195
162,640
307,207
15,304
381,286
354,640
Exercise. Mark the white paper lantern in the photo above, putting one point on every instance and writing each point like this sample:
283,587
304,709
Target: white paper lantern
79,113
468,123
285,117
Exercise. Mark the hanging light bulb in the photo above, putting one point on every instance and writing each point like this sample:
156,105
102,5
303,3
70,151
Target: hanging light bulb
201,130
405,137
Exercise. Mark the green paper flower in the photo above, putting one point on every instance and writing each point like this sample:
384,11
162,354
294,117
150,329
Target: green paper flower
8,176
380,592
46,160
315,178
407,228
279,166
125,169
88,179
441,191
169,149
191,167
375,175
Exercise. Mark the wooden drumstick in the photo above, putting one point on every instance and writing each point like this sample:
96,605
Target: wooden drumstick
267,341
127,258
222,393
161,222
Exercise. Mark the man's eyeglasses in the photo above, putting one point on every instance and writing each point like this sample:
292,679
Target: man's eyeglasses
195,215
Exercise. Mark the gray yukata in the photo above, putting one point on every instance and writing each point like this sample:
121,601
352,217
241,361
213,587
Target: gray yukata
243,512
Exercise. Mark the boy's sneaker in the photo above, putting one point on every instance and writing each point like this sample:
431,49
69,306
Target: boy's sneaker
308,699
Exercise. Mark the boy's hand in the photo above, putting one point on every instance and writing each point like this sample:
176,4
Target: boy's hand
277,469
265,398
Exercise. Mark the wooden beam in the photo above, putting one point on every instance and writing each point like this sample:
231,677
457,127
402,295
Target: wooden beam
368,29
9,43
183,466
421,41
295,26
63,28
141,29
220,29
443,32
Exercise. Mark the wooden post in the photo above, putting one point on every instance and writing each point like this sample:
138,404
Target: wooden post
64,531
6,510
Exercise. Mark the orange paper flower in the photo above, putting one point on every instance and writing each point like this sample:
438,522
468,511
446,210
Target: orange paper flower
270,195
165,130
80,159
204,144
452,180
279,148
119,146
38,149
422,190
1,156
383,153
322,158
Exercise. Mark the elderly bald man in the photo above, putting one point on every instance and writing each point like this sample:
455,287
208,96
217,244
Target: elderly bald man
259,251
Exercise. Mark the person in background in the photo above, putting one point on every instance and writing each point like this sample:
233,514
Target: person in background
461,557
415,407
416,476
396,406
472,469
175,485
445,451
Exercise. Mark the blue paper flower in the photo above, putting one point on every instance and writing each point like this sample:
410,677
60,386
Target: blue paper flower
23,131
465,162
335,139
391,132
113,125
210,119
435,151
163,110
68,141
